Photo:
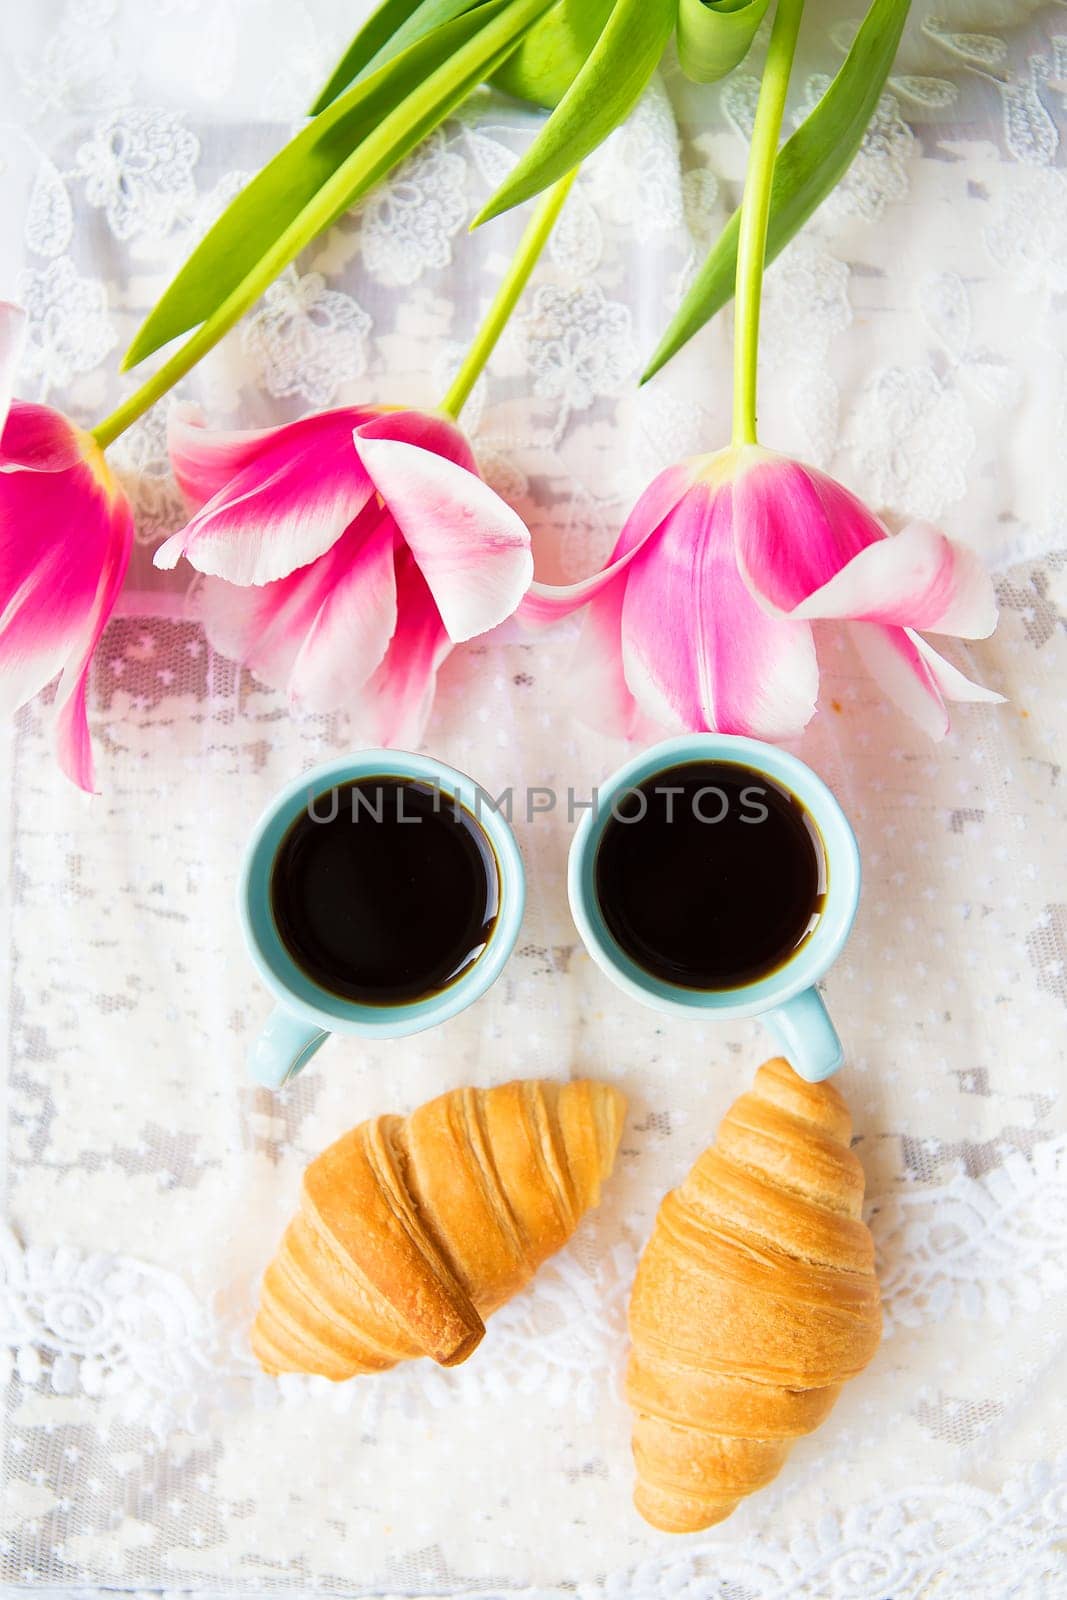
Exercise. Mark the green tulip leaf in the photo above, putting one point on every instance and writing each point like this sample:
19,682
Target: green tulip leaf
329,165
394,26
808,166
605,91
714,35
550,57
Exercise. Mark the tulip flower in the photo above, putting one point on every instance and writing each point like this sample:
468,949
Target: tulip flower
702,617
347,553
66,532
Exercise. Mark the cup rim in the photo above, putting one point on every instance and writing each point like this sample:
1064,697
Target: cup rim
801,970
297,993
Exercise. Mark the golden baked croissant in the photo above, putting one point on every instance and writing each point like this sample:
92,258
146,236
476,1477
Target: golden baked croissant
411,1230
754,1299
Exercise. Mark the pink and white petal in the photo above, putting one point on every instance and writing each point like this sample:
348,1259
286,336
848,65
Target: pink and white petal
70,723
314,633
280,511
236,619
597,683
12,337
471,547
427,430
57,536
547,602
350,633
31,655
906,674
263,628
917,578
796,528
40,440
698,650
395,704
954,684
205,460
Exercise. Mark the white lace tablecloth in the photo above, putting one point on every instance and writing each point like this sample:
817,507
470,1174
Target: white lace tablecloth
915,346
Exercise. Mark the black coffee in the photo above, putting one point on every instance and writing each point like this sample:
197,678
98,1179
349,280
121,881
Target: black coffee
709,875
383,891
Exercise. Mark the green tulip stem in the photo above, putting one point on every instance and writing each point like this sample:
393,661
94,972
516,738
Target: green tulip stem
514,282
755,212
507,295
155,387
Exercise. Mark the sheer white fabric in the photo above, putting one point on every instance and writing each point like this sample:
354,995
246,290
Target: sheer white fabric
914,346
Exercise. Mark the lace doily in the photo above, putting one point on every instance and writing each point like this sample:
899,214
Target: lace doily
914,346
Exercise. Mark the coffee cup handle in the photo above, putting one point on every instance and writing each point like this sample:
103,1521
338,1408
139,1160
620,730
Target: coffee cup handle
283,1048
806,1036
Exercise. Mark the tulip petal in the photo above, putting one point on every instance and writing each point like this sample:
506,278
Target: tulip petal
898,669
912,674
47,579
472,548
39,439
71,728
427,430
284,506
796,528
30,654
954,685
597,684
352,629
917,578
12,335
548,602
261,628
699,651
65,540
205,460
321,631
395,704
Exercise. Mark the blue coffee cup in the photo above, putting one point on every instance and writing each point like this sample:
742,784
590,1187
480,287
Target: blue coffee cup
786,999
305,1014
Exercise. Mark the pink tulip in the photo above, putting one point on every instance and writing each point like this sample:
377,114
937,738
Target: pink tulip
348,553
702,617
66,531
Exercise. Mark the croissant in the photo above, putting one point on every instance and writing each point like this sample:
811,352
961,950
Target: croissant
754,1300
411,1230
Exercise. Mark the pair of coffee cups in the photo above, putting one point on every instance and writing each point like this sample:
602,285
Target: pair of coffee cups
786,999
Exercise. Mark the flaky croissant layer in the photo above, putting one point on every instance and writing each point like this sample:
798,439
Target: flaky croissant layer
412,1230
754,1300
